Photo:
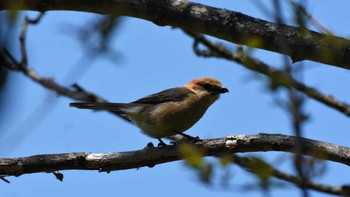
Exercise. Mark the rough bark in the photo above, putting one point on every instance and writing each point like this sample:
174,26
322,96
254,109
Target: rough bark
298,43
152,156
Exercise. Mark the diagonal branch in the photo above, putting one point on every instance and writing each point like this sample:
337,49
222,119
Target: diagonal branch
76,92
277,76
248,164
235,27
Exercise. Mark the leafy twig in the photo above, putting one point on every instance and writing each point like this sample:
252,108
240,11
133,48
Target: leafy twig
277,77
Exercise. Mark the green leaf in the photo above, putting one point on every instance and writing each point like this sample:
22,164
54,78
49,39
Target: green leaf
260,168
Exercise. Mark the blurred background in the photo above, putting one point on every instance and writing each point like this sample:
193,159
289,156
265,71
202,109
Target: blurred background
122,59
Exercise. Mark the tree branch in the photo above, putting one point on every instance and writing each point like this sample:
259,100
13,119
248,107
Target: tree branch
152,156
77,92
249,164
302,44
277,77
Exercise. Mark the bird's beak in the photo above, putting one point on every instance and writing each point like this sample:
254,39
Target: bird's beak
223,90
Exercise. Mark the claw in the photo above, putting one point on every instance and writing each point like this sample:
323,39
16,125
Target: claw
149,145
189,138
196,139
161,143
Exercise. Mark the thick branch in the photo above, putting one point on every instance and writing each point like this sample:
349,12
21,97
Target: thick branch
153,156
298,43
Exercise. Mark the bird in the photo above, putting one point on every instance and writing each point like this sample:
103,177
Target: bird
169,112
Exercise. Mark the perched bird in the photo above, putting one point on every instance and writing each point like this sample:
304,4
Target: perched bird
168,112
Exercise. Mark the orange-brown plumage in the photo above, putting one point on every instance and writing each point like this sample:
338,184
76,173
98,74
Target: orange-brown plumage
168,112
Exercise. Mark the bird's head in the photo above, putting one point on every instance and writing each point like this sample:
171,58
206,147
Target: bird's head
207,86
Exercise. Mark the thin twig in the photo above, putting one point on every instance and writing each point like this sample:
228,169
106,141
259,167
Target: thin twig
310,17
249,164
42,110
50,84
22,37
4,179
76,92
218,50
295,101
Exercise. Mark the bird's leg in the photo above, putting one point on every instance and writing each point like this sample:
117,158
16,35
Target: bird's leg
188,137
149,145
161,143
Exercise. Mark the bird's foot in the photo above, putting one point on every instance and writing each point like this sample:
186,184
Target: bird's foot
190,138
149,145
194,139
161,143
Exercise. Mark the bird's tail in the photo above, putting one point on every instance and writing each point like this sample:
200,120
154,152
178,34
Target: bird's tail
98,106
115,108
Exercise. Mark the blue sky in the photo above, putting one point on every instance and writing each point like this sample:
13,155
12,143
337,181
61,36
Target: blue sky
152,58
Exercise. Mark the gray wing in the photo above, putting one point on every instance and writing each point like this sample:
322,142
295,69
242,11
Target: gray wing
172,94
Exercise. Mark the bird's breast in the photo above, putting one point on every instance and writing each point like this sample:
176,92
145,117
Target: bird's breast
167,119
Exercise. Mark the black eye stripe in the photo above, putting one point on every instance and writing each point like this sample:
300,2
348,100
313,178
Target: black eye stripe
207,86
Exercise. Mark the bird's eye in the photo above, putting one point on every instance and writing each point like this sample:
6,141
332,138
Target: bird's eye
207,86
